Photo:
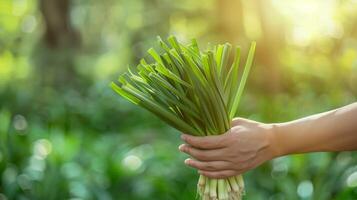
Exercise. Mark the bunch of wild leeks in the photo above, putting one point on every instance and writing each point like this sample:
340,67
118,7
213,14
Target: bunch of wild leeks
197,92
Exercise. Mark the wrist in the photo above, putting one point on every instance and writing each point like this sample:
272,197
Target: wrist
275,142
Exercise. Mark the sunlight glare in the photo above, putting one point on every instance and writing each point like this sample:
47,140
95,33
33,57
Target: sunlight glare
310,20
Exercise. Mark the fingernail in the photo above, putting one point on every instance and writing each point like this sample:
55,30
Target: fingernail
181,147
199,171
183,137
187,161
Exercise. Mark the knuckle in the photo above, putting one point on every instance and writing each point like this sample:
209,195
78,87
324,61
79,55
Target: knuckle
202,156
189,140
235,133
242,165
240,158
245,165
239,166
251,163
194,163
198,154
209,166
235,163
231,155
195,154
237,120
191,152
243,169
200,165
186,149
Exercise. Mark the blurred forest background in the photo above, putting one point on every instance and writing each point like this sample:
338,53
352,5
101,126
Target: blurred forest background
64,134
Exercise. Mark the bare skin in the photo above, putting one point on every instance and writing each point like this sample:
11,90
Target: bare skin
248,143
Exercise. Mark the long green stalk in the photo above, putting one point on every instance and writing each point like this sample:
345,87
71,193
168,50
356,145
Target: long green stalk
196,92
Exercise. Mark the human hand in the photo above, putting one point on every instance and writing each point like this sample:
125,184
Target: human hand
245,146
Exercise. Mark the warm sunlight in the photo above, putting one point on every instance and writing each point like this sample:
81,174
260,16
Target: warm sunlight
310,20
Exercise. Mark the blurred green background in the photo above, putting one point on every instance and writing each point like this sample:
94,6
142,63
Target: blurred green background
64,134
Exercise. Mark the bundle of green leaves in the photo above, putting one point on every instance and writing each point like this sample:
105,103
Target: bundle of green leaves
196,92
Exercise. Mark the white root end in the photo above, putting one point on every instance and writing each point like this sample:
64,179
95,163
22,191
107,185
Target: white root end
201,185
205,197
229,189
240,183
220,189
206,191
202,180
213,188
234,184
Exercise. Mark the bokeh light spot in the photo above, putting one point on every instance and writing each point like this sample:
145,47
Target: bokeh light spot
352,180
29,24
42,148
24,182
305,189
280,168
20,123
78,189
132,162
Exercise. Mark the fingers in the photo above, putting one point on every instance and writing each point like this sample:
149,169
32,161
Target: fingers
200,154
219,169
206,142
219,174
208,165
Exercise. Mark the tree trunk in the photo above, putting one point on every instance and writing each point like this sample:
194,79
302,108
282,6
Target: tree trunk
59,31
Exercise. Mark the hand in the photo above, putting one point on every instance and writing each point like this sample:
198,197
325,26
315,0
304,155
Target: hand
245,146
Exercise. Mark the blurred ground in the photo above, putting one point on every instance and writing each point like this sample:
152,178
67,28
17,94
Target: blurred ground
65,135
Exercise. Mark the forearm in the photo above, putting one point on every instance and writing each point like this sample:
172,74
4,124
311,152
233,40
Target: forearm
335,130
